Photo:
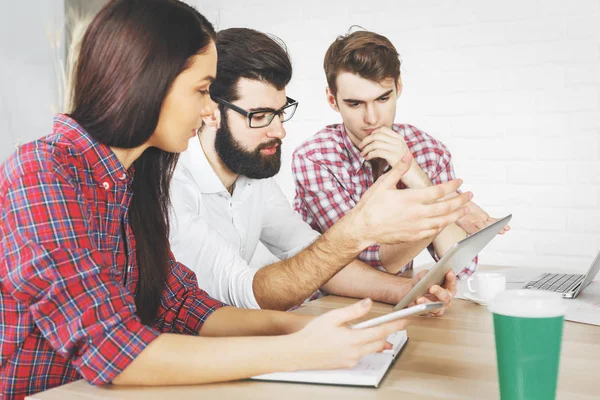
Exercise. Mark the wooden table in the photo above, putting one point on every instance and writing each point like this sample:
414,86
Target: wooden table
452,357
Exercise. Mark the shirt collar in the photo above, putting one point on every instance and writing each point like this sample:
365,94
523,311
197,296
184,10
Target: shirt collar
103,163
194,159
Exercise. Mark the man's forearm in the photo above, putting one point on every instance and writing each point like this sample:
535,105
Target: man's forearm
287,283
417,178
395,256
360,280
447,238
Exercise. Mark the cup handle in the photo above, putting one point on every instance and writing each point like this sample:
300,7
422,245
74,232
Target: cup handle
469,280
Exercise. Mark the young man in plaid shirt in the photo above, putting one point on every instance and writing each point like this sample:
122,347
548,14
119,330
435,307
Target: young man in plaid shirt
335,167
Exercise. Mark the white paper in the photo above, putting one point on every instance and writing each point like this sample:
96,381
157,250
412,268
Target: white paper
368,372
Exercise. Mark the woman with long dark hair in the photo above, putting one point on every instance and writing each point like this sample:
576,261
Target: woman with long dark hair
88,285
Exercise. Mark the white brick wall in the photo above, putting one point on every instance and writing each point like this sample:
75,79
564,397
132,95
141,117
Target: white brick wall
512,87
28,83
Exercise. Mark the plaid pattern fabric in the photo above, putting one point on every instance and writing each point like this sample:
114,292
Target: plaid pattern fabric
68,269
331,177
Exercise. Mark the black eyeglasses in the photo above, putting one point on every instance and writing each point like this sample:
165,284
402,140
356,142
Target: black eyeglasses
264,116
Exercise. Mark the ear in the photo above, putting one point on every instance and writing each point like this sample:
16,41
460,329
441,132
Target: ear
331,100
399,87
213,121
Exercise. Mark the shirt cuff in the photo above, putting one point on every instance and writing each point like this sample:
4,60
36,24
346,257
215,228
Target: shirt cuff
370,255
113,350
431,250
468,270
195,312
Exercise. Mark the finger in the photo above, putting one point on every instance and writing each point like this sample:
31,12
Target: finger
426,299
423,300
380,153
388,131
373,138
374,347
350,313
390,179
382,331
450,283
392,139
419,276
439,223
427,233
380,146
447,206
441,294
437,192
437,313
468,227
365,142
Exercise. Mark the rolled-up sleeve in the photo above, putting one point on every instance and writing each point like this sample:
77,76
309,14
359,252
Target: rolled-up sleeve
184,307
72,289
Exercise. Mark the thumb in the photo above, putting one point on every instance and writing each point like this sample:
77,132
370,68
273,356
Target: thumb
349,313
391,178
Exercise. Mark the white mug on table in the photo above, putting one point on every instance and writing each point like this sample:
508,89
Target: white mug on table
487,284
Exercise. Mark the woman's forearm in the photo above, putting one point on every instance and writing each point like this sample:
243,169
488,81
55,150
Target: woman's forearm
184,360
232,321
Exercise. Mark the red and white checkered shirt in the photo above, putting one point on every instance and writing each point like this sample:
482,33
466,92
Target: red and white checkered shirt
331,176
68,270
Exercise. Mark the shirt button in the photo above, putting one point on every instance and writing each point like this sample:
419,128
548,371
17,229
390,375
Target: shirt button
123,177
106,185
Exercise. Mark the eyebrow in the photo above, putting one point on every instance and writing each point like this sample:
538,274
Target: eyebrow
267,108
208,78
362,101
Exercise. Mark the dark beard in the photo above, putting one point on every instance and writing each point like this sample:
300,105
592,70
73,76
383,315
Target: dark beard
247,163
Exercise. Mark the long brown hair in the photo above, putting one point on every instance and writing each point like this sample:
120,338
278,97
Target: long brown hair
130,55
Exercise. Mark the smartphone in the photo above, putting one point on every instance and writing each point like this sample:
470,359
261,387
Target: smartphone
418,309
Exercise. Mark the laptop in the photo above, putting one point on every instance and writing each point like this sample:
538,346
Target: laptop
569,285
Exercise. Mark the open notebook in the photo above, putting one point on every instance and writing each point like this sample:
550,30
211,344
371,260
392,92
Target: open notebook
369,371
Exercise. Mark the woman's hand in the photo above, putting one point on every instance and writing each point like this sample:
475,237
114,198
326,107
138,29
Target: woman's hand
328,343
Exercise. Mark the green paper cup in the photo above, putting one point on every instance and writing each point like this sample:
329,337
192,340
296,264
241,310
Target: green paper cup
528,327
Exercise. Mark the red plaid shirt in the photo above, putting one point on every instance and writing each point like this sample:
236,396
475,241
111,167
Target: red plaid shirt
331,176
67,274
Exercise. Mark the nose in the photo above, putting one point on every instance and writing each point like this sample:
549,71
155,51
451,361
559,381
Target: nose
276,129
208,108
370,116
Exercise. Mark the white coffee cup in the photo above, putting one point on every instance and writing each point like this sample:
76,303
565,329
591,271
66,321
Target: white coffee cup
487,284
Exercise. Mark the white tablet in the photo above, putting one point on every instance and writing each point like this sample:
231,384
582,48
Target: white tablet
455,259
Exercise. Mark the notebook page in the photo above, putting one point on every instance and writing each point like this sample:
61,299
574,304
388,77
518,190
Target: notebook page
368,372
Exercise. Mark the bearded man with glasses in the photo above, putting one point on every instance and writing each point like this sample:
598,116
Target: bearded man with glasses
225,202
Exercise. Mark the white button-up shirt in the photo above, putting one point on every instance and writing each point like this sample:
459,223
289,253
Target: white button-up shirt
216,234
